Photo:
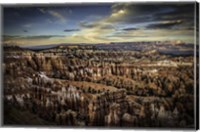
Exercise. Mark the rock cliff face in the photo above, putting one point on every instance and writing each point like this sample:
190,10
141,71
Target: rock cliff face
80,87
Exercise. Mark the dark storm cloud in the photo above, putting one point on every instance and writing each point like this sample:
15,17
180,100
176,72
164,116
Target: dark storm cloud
25,31
71,30
136,13
130,29
140,13
96,24
179,11
138,9
167,25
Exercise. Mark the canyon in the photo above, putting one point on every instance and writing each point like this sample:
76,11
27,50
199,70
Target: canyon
87,85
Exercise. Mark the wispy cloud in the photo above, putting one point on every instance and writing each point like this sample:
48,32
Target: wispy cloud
122,22
42,10
165,19
49,20
27,25
53,13
57,15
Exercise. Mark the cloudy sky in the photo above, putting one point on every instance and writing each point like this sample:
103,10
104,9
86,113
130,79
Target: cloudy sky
98,23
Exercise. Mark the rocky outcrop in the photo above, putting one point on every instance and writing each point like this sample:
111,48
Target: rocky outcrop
114,116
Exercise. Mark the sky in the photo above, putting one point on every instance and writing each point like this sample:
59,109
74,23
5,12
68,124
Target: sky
98,23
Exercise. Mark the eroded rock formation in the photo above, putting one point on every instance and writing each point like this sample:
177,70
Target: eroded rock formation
88,87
